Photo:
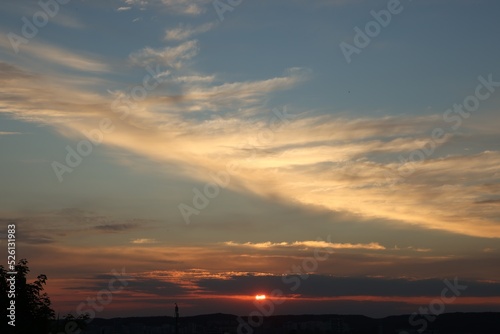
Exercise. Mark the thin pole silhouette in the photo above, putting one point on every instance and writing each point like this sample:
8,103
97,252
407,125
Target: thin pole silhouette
176,319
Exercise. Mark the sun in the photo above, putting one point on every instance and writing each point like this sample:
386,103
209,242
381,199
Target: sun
260,297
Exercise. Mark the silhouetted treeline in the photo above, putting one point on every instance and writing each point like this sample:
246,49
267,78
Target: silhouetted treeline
452,323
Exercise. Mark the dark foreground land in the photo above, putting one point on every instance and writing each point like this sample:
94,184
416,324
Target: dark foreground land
450,323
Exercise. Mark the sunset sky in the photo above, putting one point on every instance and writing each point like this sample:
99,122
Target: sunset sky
209,151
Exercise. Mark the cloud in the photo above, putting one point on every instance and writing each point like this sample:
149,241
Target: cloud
155,287
9,133
136,284
144,241
57,56
116,227
65,236
183,32
331,286
489,201
67,21
183,7
36,238
311,244
33,97
67,225
13,72
334,162
122,9
168,56
193,79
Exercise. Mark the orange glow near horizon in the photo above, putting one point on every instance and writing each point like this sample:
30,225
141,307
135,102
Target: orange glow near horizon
260,297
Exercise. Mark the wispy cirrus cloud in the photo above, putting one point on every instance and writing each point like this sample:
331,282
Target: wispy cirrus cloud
334,162
182,32
183,7
9,133
57,56
67,21
168,56
194,79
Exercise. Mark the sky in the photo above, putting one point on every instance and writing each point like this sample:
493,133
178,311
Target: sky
337,156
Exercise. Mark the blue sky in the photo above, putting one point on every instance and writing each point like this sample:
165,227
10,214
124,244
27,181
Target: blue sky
318,143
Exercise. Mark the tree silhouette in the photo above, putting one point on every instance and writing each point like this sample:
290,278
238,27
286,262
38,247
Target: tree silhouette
33,313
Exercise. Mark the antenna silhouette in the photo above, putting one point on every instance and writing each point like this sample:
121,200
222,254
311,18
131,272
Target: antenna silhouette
176,319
